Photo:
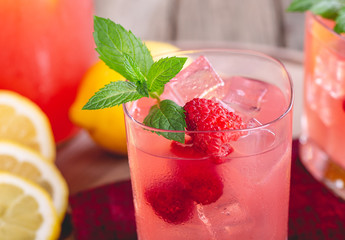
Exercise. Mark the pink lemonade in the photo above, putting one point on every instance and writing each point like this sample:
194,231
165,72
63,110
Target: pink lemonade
182,193
46,47
323,134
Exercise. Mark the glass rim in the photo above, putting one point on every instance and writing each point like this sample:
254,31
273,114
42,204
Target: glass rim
320,21
225,50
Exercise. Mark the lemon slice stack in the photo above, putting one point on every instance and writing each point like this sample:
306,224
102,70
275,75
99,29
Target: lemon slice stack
33,193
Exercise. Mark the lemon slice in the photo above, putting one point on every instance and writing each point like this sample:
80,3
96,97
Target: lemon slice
24,122
24,162
26,211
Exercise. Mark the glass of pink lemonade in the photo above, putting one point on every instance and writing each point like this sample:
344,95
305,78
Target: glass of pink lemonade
219,184
323,126
46,47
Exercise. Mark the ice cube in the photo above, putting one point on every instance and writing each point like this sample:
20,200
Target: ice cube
199,79
252,123
225,219
312,94
207,223
329,109
244,95
330,72
235,211
325,89
227,211
254,141
224,104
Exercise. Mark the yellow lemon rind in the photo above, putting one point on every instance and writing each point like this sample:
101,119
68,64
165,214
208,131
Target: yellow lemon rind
51,228
47,170
26,107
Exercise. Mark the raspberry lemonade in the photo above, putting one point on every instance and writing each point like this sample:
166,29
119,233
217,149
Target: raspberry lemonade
323,136
209,147
230,179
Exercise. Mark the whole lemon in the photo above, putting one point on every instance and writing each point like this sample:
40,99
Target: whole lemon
106,126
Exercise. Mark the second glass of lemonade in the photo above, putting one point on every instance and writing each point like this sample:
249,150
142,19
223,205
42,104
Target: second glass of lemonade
323,126
183,193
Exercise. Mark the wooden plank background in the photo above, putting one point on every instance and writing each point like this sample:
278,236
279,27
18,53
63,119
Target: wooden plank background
263,22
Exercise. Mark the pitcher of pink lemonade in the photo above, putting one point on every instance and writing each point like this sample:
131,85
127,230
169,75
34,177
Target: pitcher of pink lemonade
46,47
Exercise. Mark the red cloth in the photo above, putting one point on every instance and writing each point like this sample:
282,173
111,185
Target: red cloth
106,212
314,211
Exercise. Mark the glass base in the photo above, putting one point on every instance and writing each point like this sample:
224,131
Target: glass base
321,166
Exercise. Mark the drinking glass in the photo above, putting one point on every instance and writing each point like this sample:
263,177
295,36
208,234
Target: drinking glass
323,126
46,47
182,193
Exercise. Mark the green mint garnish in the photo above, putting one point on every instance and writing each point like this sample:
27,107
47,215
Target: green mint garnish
162,71
340,21
113,94
330,9
123,52
167,115
300,5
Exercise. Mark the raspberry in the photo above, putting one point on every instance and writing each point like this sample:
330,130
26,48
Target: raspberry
186,150
170,201
344,105
195,181
199,177
202,183
208,115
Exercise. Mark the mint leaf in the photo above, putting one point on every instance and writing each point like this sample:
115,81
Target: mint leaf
331,9
167,115
327,8
121,50
301,5
162,71
340,21
114,93
142,89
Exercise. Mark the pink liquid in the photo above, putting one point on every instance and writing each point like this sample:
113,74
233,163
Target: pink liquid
324,107
255,177
46,47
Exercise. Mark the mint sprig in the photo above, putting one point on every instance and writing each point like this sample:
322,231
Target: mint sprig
123,52
330,9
